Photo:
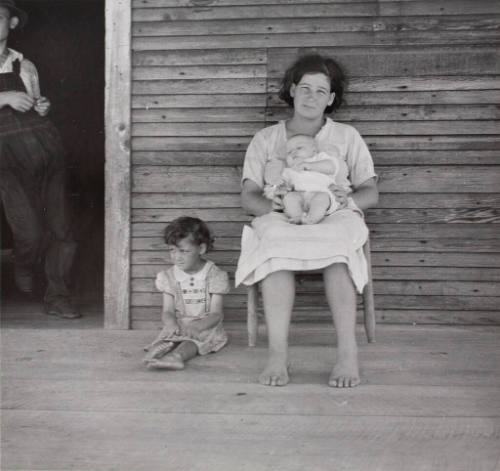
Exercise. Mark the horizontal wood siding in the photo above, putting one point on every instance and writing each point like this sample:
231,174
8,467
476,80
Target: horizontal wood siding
423,91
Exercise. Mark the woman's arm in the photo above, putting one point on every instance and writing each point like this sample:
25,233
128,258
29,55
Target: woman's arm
254,202
366,195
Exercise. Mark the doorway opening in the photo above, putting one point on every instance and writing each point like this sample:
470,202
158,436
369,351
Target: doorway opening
65,40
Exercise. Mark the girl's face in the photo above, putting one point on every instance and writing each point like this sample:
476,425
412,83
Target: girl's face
186,255
312,95
6,23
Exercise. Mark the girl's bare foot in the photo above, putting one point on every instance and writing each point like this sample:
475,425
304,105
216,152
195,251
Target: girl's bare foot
172,361
276,371
345,373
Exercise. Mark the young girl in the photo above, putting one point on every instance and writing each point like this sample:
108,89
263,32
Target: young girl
193,291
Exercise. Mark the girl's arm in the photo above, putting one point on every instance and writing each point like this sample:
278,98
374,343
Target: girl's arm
197,327
168,315
255,203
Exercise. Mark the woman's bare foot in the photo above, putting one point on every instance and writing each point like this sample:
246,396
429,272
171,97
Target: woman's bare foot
172,361
345,373
276,371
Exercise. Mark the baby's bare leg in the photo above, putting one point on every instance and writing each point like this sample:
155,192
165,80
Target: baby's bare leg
341,296
278,292
176,359
293,206
318,206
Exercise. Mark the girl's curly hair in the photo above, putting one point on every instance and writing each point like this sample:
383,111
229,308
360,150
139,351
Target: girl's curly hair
186,226
312,64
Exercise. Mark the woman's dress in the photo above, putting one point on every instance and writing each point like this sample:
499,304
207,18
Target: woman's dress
272,244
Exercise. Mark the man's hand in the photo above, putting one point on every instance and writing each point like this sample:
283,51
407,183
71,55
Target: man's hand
18,101
42,106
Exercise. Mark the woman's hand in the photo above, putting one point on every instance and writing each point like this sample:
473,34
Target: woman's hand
18,101
340,195
42,106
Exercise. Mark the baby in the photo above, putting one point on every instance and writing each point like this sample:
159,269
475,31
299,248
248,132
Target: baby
304,182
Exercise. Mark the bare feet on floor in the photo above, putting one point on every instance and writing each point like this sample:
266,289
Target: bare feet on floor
172,361
345,373
276,371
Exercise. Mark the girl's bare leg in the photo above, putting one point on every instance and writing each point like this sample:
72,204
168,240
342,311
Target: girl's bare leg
278,293
176,359
341,296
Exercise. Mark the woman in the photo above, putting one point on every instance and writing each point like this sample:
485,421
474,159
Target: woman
273,248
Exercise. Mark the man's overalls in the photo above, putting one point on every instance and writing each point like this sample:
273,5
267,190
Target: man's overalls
33,191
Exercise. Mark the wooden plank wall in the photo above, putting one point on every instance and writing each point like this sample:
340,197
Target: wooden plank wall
424,92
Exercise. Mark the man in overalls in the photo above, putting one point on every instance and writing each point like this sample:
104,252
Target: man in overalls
32,175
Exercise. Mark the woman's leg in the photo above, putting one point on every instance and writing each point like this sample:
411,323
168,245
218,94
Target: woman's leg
176,360
341,296
278,293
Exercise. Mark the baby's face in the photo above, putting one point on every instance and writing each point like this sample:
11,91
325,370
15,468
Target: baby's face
300,148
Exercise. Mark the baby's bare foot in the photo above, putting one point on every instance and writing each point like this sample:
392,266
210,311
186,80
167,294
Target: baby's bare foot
276,371
313,217
345,373
295,220
173,361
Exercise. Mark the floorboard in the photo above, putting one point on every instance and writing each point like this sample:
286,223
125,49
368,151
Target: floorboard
79,398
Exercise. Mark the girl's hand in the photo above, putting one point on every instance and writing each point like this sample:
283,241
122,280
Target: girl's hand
42,106
340,195
18,101
192,330
170,327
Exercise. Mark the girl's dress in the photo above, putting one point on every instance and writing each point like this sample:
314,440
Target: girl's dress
192,294
272,244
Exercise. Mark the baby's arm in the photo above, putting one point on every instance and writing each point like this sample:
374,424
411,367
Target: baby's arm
325,166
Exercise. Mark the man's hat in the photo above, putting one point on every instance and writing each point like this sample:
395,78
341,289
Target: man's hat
15,11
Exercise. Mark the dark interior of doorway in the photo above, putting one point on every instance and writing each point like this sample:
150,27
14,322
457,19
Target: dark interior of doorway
65,40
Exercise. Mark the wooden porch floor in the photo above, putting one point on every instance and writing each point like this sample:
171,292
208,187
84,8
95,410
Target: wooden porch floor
77,397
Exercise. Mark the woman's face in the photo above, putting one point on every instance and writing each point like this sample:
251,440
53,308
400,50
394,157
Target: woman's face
312,95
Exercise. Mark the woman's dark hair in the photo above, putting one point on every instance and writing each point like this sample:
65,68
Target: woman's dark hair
313,64
186,226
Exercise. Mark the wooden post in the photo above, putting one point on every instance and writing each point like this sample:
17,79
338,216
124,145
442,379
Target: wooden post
117,168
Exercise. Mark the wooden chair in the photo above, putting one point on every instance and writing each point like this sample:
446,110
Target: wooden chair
368,305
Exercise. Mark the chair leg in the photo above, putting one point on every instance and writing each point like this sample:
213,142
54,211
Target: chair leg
368,298
252,317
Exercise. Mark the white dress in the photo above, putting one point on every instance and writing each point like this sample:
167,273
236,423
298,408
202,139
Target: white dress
272,244
192,295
